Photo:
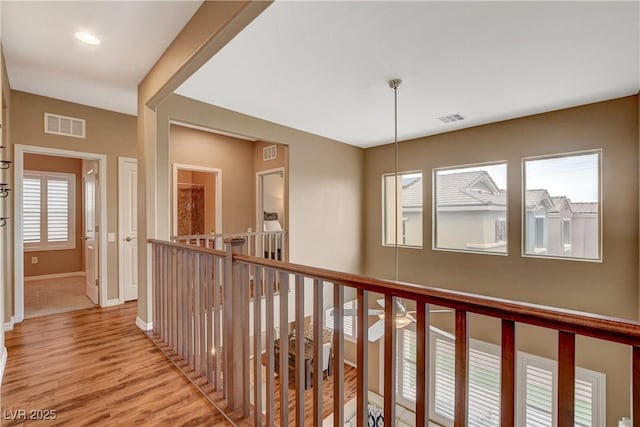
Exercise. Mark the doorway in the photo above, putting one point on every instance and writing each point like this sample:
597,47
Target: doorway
270,200
60,229
128,227
197,200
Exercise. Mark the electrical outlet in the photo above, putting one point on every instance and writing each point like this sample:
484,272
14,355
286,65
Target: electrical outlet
34,260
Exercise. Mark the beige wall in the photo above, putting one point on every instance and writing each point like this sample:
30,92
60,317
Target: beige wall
108,133
609,287
233,156
58,261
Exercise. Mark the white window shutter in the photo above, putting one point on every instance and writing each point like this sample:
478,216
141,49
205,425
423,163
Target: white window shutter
538,397
58,209
31,209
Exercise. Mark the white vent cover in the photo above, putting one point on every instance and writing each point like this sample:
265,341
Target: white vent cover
451,118
62,125
270,152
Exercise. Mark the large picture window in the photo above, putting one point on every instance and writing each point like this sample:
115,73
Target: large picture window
562,206
48,203
406,218
470,208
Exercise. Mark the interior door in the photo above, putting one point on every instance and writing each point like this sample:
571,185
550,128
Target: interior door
128,219
90,237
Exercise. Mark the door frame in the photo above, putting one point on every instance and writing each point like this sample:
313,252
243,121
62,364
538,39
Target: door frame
218,196
19,151
121,213
259,190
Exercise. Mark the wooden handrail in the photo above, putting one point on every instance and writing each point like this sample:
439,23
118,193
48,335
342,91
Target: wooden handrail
597,326
193,248
228,235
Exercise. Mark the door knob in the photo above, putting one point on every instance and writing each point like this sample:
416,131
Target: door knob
128,239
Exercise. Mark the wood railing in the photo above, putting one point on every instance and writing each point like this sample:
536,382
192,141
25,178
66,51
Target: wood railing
262,244
189,272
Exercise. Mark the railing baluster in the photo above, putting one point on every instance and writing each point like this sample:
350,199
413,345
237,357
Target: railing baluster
171,302
284,348
566,378
422,364
209,316
217,322
635,397
246,342
389,357
177,276
318,315
202,315
363,356
184,284
270,347
227,321
257,349
508,375
462,369
338,355
154,285
300,357
165,290
196,312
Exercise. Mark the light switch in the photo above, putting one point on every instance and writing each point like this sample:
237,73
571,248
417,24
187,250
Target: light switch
111,237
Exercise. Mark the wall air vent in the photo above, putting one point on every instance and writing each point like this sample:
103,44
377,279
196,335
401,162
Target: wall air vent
451,118
270,152
62,125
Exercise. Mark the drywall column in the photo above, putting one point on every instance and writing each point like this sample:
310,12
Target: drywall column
210,29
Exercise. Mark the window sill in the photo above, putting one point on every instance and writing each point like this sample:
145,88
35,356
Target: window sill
49,248
485,245
539,250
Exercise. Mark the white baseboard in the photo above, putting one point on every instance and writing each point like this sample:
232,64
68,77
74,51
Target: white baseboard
54,276
144,326
3,362
112,302
9,325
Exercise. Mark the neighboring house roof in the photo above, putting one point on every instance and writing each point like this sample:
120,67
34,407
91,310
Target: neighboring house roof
559,201
469,189
585,207
412,193
536,197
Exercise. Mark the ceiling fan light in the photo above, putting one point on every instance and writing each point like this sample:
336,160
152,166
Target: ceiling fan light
402,322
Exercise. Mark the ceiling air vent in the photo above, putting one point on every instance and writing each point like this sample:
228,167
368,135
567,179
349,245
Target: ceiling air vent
451,118
62,125
270,152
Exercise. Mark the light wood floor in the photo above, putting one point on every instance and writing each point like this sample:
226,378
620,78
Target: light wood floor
94,367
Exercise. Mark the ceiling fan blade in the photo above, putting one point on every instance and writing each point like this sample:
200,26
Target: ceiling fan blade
375,312
380,302
435,310
376,331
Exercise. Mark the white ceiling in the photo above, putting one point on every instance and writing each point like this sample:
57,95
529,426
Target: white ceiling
44,57
323,67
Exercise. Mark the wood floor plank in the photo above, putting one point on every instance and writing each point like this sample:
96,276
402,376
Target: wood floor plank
95,367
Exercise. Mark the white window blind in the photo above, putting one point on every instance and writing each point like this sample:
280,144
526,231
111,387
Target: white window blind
48,211
537,382
58,207
349,321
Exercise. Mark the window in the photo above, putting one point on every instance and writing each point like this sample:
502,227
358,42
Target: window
349,319
48,204
501,230
562,214
407,218
470,208
537,383
566,233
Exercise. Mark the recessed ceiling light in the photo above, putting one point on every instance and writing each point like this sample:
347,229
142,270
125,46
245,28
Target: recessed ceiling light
87,38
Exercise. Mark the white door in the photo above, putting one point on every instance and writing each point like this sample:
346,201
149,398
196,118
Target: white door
128,220
90,236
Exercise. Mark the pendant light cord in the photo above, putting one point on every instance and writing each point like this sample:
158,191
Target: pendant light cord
394,84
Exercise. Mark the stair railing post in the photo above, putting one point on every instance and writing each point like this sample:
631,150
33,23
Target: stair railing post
234,328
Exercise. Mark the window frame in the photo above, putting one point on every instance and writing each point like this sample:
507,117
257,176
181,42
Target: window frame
44,244
434,209
401,219
523,206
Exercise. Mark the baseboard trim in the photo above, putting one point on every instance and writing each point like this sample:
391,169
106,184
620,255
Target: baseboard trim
144,326
9,325
54,276
3,362
112,302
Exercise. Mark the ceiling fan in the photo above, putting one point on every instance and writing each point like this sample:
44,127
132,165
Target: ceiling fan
403,317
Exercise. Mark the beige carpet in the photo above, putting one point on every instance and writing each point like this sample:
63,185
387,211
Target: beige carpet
51,296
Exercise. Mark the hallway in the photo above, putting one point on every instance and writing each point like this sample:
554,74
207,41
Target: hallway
95,367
